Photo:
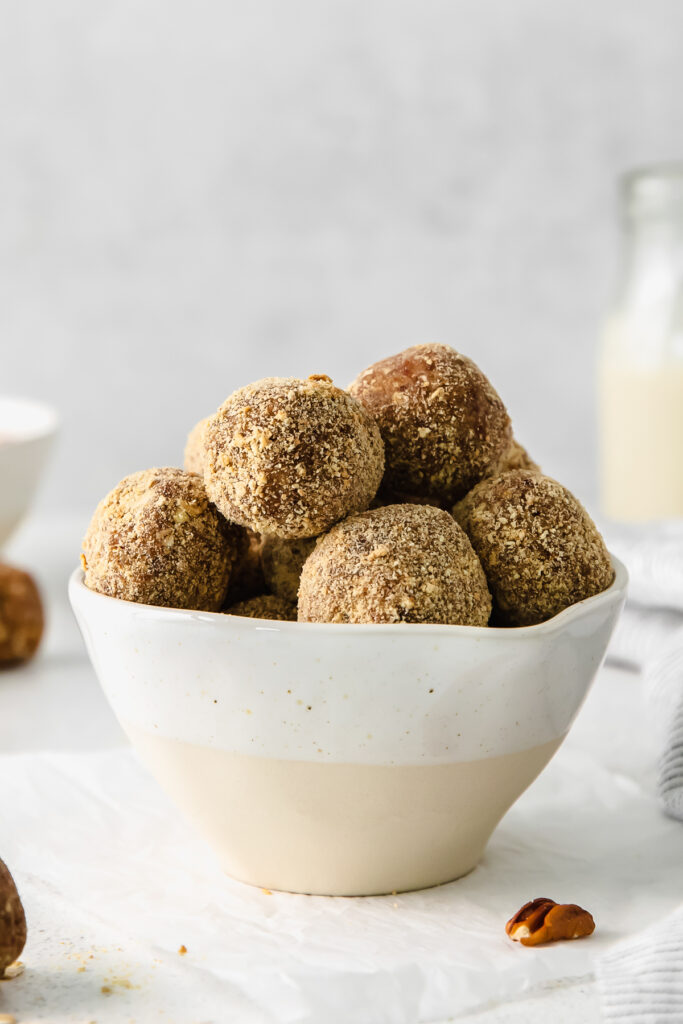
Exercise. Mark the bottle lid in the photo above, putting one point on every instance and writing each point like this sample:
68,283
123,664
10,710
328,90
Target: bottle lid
653,193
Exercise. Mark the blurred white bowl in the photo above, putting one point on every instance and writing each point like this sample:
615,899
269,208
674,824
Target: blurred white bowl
343,759
27,429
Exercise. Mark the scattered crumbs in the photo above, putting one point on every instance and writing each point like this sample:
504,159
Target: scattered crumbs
289,691
309,707
112,983
320,750
266,892
369,736
182,950
299,702
346,696
247,711
14,970
395,905
215,701
432,690
80,970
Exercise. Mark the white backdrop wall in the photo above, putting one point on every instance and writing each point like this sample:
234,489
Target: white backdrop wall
193,195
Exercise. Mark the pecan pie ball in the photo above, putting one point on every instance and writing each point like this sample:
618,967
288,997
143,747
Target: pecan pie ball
540,549
157,539
21,616
282,562
400,563
514,457
265,606
443,425
194,449
247,579
291,457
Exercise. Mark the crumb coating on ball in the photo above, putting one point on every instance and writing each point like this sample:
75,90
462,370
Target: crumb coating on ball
282,562
400,563
157,539
265,606
443,425
21,616
540,549
291,457
193,460
515,456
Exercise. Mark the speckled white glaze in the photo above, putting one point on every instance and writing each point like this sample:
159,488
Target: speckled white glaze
362,694
343,759
27,429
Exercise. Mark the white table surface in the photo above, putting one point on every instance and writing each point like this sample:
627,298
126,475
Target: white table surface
56,704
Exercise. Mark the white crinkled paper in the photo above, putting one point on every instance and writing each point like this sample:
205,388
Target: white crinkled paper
114,882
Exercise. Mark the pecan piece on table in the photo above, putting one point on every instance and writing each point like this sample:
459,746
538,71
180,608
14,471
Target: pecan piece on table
543,920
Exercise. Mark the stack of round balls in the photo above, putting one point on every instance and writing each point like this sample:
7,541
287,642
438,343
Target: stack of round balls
403,499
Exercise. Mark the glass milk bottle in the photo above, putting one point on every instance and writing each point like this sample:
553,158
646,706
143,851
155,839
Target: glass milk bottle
641,357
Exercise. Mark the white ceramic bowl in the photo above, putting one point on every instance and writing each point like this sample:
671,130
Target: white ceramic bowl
27,429
343,759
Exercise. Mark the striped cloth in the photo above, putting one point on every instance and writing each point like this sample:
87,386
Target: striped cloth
670,779
640,981
650,636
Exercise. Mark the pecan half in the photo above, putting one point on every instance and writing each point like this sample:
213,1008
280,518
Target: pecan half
544,920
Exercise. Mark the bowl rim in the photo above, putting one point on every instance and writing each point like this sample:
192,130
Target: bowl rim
616,592
47,417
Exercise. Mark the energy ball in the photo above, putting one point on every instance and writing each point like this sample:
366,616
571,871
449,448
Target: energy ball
21,616
384,497
282,562
291,457
157,539
443,425
540,549
12,922
514,457
194,449
265,606
400,563
247,576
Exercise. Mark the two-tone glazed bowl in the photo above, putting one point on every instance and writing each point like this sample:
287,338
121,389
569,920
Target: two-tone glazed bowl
343,759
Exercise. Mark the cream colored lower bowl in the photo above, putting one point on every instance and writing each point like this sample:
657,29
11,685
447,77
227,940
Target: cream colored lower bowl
341,759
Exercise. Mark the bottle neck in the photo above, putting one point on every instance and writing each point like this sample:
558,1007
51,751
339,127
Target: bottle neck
652,260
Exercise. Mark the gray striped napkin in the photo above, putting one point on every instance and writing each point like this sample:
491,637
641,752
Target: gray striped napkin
650,635
640,981
670,780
